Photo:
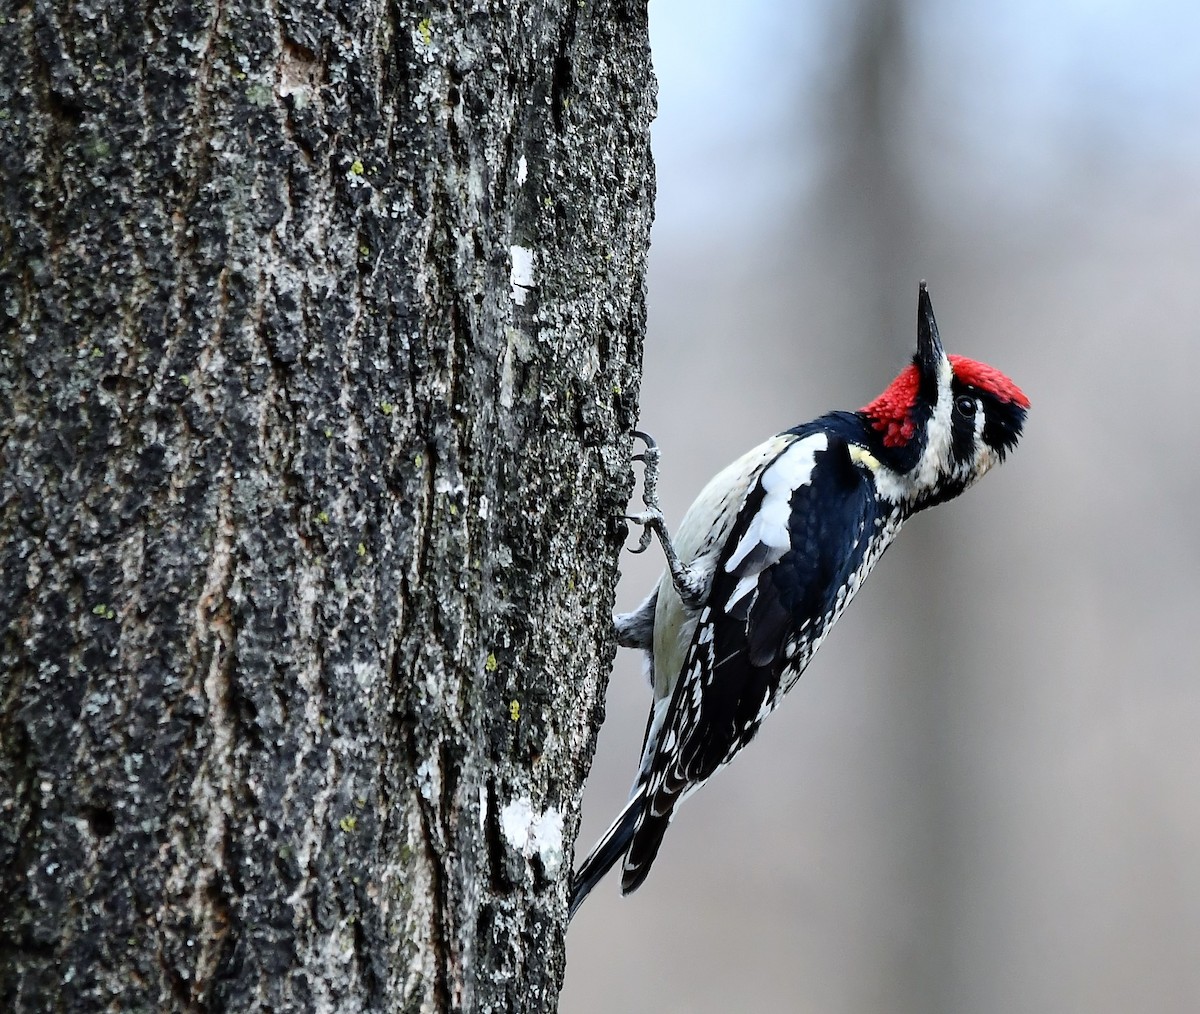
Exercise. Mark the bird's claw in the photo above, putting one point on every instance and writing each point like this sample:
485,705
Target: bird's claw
649,521
688,583
648,457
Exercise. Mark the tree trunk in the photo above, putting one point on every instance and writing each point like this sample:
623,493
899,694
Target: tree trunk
321,335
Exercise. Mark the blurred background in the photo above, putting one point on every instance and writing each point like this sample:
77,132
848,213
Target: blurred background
984,794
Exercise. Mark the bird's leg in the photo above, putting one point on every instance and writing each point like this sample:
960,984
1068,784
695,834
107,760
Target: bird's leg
688,581
636,629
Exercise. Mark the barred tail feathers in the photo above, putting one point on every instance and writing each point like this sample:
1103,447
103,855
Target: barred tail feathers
665,793
608,850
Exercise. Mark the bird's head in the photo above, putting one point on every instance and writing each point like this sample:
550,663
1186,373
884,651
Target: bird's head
945,420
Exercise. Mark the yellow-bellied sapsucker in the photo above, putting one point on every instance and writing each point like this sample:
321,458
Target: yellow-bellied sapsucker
769,556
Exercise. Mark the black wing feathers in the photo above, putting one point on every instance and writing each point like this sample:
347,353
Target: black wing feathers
831,521
828,534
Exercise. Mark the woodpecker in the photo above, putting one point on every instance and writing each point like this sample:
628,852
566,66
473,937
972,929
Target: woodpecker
768,558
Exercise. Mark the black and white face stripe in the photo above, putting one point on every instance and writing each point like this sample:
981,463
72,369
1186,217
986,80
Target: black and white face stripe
982,429
966,428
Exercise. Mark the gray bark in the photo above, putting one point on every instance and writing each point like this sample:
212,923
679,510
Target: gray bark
319,340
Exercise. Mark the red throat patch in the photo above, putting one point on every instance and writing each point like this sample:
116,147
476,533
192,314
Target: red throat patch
891,412
987,378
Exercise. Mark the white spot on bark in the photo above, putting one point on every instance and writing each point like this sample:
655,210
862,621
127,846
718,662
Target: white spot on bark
515,821
547,840
522,170
531,833
523,262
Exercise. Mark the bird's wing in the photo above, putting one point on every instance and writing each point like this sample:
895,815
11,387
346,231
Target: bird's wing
784,574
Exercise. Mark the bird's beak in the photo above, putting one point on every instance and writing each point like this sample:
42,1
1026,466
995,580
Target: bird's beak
929,343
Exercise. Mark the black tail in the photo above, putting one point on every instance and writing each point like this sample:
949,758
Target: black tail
648,835
608,850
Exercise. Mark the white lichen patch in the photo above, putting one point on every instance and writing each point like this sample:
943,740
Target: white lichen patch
515,820
547,841
531,833
522,277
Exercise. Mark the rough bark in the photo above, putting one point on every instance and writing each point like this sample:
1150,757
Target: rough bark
319,340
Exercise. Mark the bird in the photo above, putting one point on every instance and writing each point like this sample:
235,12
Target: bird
767,559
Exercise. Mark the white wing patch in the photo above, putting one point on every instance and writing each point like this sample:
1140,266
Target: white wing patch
699,541
769,529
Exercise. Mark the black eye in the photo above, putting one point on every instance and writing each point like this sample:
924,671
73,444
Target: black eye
965,405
